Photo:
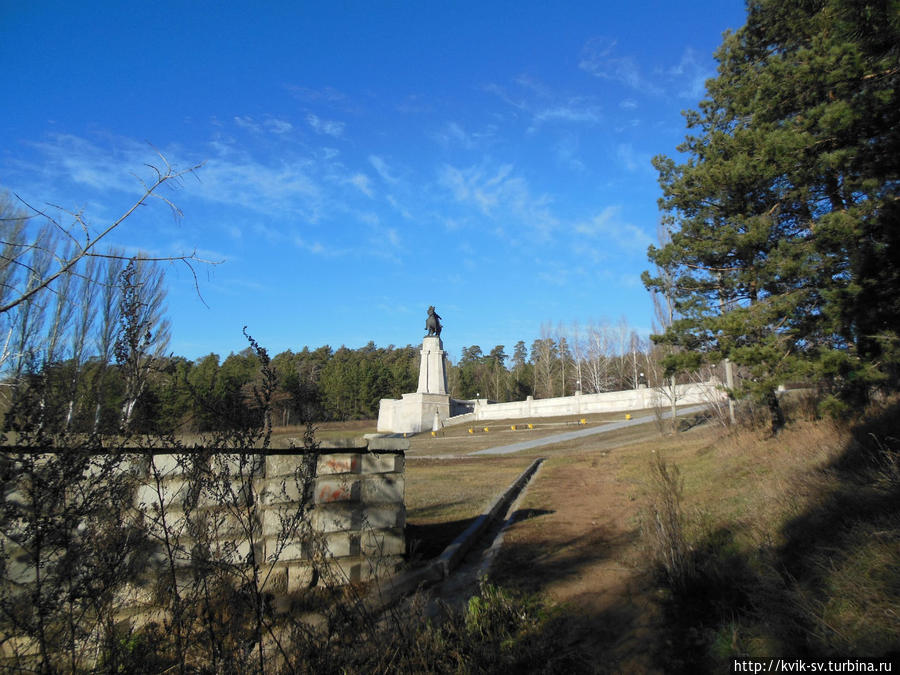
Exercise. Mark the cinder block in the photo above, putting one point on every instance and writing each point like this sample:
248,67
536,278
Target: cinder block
337,516
385,488
346,443
171,464
283,490
343,570
226,527
388,443
172,493
283,465
274,520
286,552
347,570
387,463
239,551
343,544
383,543
338,463
247,466
277,581
337,490
383,517
299,575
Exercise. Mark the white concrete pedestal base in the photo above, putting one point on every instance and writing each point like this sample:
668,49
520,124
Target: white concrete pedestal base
416,412
412,413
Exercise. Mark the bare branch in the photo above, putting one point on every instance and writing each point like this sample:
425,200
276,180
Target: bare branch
88,246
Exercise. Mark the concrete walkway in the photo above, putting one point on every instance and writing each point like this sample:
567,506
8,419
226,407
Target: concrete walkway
581,433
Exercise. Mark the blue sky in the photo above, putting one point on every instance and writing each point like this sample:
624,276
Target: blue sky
363,160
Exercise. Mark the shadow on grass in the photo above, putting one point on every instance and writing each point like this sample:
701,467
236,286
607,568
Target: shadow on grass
602,629
831,590
424,542
528,514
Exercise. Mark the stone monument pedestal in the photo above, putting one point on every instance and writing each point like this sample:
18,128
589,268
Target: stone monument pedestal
416,412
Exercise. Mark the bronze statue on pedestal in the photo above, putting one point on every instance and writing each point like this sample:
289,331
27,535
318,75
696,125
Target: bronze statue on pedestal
433,323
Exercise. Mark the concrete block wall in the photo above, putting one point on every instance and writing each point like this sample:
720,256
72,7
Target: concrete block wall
355,525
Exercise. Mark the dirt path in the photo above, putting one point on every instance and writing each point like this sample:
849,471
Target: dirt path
576,542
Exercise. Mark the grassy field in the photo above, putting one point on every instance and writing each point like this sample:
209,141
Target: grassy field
675,553
788,546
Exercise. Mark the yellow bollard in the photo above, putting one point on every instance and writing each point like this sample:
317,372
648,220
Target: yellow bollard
628,416
513,427
583,421
531,426
471,431
486,430
434,433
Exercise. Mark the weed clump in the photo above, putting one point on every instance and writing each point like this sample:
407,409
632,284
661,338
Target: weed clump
797,554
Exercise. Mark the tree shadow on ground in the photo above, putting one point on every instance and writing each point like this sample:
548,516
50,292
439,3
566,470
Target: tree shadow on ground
606,631
830,590
424,542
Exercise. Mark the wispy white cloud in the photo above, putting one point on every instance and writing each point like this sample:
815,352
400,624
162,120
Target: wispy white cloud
331,128
383,170
535,86
288,186
566,150
504,95
414,105
271,234
600,59
496,192
453,224
362,183
632,160
453,135
327,94
569,113
278,126
270,124
246,122
397,206
369,218
609,225
393,237
89,164
544,105
686,79
318,248
690,75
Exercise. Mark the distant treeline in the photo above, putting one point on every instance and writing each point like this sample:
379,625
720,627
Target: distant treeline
88,353
313,384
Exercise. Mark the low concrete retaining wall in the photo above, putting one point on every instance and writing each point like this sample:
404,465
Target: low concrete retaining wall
584,404
444,565
354,529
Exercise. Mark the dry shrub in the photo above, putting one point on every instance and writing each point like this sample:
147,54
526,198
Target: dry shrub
665,527
799,552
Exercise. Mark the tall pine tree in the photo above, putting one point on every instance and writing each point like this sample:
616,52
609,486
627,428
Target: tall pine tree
784,214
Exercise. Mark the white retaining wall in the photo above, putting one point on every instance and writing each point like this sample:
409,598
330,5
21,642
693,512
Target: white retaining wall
585,404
